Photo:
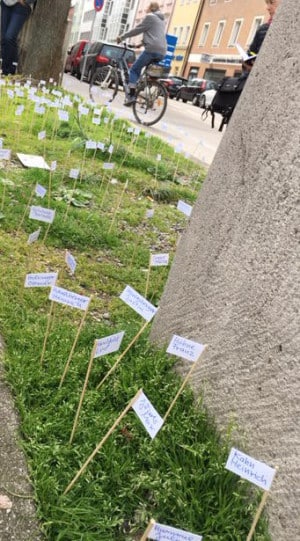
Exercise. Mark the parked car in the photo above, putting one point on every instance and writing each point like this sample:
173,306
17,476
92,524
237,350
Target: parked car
101,54
74,55
204,100
173,83
195,86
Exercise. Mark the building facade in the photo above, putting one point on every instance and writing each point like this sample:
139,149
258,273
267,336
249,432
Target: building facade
222,24
115,18
183,24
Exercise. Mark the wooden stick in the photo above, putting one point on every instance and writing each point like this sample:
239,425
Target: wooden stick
74,344
258,513
46,233
47,332
148,277
148,530
118,420
122,355
118,205
183,385
83,391
26,209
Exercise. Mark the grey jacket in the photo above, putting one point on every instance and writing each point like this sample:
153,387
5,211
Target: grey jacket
153,29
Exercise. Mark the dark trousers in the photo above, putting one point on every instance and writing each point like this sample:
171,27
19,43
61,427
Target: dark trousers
12,21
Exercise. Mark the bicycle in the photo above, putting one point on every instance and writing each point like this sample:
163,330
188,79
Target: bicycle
150,98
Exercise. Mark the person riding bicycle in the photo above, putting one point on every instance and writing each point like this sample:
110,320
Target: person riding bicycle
154,41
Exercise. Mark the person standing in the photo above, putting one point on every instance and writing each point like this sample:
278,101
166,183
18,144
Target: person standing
154,41
14,13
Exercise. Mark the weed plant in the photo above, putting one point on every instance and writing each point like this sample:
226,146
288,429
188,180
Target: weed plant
178,477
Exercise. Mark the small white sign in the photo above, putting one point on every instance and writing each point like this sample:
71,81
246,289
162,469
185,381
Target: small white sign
42,279
108,165
63,115
41,135
40,191
90,145
29,160
34,236
63,296
158,157
96,120
111,149
185,208
148,415
109,344
149,213
159,260
245,466
74,173
70,261
42,214
101,146
39,109
53,165
184,348
160,532
83,110
138,303
5,154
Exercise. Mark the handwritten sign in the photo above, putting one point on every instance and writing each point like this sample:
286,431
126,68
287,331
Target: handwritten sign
148,415
34,236
42,279
63,115
159,260
138,303
109,344
40,191
42,135
70,261
90,145
63,296
108,165
185,208
186,349
160,532
74,173
42,214
256,472
149,213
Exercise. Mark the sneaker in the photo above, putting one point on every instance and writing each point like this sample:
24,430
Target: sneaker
129,101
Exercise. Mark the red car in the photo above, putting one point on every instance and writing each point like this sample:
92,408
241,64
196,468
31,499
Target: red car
74,56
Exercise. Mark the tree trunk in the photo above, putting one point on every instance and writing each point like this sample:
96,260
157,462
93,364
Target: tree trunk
42,40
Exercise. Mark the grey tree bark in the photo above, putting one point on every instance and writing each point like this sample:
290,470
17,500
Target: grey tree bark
42,40
235,281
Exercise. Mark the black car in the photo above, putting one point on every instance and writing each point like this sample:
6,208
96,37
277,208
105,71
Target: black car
193,89
173,83
101,54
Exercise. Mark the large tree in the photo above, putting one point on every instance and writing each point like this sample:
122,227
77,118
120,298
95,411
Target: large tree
42,41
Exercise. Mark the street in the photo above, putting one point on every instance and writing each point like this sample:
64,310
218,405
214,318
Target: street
182,125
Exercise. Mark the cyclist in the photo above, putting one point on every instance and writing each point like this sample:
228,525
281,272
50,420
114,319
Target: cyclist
154,41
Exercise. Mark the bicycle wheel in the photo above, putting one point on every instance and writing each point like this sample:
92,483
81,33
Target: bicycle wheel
104,85
151,102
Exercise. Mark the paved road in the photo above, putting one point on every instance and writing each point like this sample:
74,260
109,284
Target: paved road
181,125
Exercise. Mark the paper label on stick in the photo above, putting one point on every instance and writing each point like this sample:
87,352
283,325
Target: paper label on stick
70,261
184,348
42,214
161,532
40,191
159,260
185,208
63,296
245,466
63,115
109,344
74,173
5,154
42,135
42,279
148,415
30,160
108,165
34,236
138,303
90,145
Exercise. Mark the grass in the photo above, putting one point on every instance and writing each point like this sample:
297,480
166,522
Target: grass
179,477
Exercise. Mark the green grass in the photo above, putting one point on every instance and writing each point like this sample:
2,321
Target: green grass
179,477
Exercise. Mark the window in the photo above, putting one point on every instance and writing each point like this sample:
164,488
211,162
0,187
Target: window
212,2
204,34
235,32
193,73
186,35
256,23
180,29
218,34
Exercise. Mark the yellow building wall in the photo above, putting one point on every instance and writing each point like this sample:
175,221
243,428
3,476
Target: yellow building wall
182,25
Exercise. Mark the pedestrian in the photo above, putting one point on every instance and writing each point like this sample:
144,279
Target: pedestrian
14,13
154,41
260,34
